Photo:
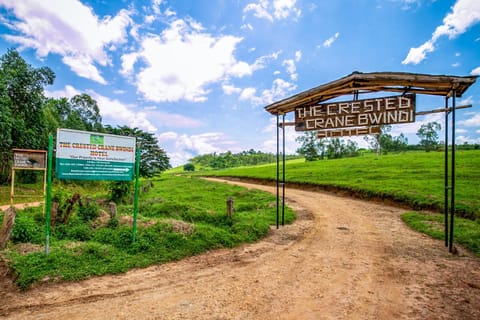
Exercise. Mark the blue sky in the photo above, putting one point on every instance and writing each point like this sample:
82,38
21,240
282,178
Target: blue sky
198,74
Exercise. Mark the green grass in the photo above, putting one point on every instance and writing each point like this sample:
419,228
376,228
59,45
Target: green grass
412,178
179,217
466,232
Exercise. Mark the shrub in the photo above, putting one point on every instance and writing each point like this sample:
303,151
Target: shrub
189,167
120,191
88,212
26,230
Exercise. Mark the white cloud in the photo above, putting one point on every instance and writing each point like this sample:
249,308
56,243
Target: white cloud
291,68
412,128
271,10
456,64
465,13
248,94
68,92
270,145
247,26
188,146
115,112
461,131
229,89
407,4
474,121
467,100
466,139
280,89
284,8
331,40
298,55
183,61
259,9
169,12
475,72
70,29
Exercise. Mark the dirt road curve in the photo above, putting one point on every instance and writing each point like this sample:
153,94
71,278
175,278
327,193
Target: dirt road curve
342,259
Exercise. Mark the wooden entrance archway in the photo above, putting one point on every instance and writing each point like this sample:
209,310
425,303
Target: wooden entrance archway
358,83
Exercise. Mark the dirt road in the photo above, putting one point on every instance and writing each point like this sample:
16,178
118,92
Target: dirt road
342,259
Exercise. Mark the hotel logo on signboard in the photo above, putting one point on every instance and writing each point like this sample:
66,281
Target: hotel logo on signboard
358,113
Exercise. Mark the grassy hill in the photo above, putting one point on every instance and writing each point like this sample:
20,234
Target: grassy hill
413,178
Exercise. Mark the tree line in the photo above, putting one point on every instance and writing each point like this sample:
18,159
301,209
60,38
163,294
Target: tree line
313,148
27,116
230,160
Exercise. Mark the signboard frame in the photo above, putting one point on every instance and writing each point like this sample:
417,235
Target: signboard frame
28,159
84,155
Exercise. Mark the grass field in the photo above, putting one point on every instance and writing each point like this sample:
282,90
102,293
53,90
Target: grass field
412,178
178,217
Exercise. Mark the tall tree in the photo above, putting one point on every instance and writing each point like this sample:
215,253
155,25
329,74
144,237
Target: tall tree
81,112
21,100
384,142
311,147
429,136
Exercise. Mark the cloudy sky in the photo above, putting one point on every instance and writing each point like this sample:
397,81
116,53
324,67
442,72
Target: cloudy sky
198,74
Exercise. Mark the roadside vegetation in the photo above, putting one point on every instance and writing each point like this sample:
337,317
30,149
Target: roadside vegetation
178,217
466,232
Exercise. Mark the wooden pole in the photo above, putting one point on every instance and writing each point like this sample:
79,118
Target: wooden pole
7,226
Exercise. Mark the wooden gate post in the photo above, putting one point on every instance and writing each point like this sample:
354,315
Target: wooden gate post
230,208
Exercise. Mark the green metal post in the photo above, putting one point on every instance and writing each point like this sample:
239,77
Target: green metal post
135,199
48,195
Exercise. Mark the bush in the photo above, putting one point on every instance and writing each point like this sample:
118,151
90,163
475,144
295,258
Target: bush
189,167
26,230
120,191
88,212
75,229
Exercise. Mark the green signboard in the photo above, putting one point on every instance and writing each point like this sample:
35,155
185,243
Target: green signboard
94,156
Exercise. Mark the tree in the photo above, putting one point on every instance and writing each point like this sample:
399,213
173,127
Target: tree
429,136
81,112
86,108
384,142
21,101
311,147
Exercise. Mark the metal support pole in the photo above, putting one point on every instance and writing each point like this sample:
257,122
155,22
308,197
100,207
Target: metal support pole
135,198
452,204
283,172
278,165
445,210
48,201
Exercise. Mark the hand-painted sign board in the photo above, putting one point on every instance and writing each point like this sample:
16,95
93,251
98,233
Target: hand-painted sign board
29,159
348,132
87,155
358,113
